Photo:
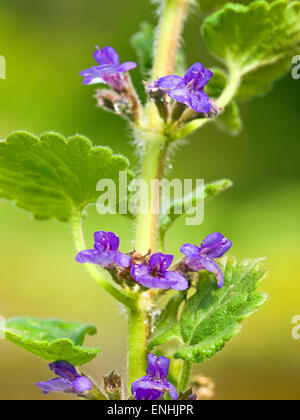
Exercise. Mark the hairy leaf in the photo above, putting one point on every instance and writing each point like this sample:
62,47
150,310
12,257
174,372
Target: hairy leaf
52,175
52,339
211,5
142,42
213,316
256,41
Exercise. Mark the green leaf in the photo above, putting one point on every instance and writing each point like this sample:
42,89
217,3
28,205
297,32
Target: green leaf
213,316
143,42
256,42
52,339
52,175
211,5
167,326
230,119
217,84
210,190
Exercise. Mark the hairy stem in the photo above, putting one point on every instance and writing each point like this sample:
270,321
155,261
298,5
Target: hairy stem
148,217
102,276
137,346
185,376
170,29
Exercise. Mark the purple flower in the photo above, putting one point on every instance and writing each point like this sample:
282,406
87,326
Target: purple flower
105,252
68,381
189,89
202,258
109,70
156,274
154,385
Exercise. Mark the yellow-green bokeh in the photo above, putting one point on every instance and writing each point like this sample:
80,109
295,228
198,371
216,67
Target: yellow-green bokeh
46,44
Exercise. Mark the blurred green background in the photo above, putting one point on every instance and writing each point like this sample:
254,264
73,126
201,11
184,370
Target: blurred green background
46,44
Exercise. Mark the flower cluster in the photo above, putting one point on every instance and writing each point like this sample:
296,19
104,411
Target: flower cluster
154,271
155,274
155,384
109,69
68,380
188,90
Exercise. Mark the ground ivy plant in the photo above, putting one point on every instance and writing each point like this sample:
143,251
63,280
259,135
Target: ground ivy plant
183,313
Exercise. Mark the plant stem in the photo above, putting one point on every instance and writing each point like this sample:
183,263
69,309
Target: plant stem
233,84
185,376
148,217
102,276
171,25
154,159
137,346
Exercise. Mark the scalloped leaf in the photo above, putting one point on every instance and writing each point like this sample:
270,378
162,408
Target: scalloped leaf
52,339
211,5
52,175
256,42
213,316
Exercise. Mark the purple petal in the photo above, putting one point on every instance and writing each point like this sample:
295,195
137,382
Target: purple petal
123,260
158,367
64,369
215,245
181,95
92,256
152,389
152,368
82,384
200,102
87,256
143,390
202,79
113,241
163,365
111,55
138,271
199,75
56,385
101,240
170,82
176,281
129,65
193,71
162,261
190,250
107,56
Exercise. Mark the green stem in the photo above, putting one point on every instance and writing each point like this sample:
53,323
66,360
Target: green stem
148,216
185,376
170,29
102,276
137,346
